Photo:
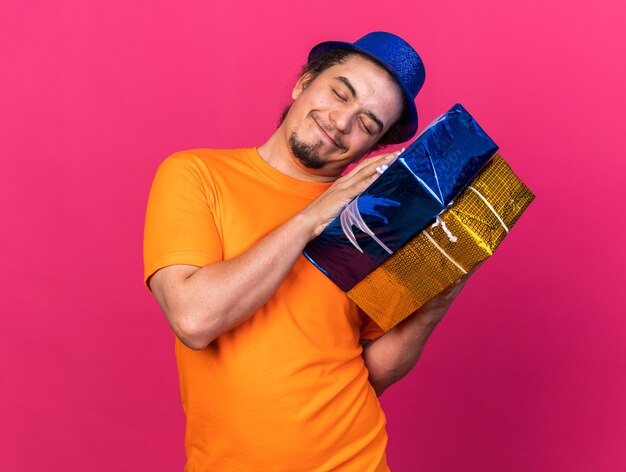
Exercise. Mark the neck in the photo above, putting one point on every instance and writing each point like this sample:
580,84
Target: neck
277,153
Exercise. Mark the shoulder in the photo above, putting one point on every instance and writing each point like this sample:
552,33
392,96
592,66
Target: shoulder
204,163
209,155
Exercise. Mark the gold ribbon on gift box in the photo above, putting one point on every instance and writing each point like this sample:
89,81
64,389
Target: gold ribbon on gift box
464,235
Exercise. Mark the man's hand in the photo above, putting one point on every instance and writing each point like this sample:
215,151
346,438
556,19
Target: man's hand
328,205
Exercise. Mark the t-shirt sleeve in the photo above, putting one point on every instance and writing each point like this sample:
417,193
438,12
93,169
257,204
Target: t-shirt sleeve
369,329
180,227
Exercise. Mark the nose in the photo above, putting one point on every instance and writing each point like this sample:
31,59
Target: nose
341,119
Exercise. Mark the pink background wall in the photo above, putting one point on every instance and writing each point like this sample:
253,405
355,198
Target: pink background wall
526,372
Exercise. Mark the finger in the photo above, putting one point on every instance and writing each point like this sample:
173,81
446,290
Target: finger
362,176
453,290
381,165
459,283
369,164
466,277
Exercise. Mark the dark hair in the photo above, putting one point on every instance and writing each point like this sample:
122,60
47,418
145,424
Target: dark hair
326,60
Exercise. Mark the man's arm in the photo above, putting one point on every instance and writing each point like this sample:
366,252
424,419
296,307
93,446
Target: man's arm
202,303
391,356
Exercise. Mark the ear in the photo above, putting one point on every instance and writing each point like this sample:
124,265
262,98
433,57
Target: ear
301,84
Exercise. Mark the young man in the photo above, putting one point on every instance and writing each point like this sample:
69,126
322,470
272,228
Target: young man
279,370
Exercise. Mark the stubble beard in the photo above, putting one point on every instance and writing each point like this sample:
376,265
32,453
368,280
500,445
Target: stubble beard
307,154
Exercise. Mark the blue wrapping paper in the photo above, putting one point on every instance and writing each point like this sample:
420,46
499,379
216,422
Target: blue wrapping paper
418,186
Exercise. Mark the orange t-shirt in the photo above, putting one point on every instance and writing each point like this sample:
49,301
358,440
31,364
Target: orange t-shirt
287,390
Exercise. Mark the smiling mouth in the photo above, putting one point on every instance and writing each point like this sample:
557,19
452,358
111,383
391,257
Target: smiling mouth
328,135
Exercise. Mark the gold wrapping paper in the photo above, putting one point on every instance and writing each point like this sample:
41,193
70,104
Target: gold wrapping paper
431,261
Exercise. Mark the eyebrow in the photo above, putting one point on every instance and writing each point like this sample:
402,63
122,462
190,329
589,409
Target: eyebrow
347,83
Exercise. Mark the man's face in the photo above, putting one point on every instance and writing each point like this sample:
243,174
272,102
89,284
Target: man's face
340,115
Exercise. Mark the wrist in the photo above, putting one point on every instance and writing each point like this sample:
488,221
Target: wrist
304,226
307,224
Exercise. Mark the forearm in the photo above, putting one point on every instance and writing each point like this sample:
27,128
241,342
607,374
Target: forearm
392,356
216,298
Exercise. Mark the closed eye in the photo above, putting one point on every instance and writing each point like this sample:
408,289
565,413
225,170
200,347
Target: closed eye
339,96
367,129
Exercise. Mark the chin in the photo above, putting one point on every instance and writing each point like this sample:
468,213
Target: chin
307,154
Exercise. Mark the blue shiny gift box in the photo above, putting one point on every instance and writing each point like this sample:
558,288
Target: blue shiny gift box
418,186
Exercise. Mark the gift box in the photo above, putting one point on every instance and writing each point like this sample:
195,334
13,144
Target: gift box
401,202
459,239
